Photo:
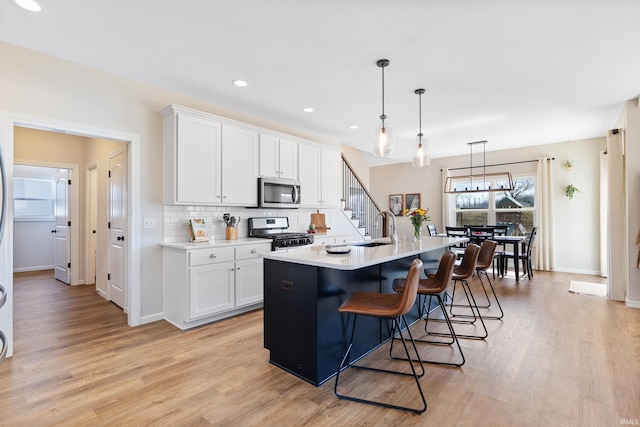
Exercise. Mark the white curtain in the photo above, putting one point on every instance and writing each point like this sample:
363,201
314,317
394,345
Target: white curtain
544,258
616,229
604,213
446,203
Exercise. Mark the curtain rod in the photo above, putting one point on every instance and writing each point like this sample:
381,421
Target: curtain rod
495,164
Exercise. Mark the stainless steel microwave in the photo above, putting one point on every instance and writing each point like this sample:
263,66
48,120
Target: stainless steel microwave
278,193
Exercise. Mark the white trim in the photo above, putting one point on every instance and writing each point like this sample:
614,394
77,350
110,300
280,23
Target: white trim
7,122
36,268
631,304
152,318
577,271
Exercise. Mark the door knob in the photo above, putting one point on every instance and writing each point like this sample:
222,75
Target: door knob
53,231
120,238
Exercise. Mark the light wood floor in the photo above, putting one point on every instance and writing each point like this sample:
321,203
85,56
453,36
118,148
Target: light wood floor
556,359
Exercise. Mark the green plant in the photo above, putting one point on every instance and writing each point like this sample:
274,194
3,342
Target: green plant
570,189
568,164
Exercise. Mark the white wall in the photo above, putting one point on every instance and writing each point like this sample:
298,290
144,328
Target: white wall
576,221
33,245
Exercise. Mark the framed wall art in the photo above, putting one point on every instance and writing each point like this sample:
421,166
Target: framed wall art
396,204
412,200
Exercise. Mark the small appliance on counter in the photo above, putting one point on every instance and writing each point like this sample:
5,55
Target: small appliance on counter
276,229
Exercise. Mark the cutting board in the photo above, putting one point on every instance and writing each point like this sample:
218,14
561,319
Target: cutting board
318,219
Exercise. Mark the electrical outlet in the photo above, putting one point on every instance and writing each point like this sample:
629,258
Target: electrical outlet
149,223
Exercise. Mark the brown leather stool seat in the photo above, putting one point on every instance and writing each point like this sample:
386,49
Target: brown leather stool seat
391,306
434,286
485,260
461,274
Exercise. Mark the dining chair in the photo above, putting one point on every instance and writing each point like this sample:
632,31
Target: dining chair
478,235
433,231
458,232
384,306
524,255
434,286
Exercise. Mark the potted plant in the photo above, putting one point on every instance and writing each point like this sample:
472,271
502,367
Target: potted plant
568,165
570,189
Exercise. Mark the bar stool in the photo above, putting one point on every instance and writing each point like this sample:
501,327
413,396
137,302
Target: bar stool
389,306
485,260
434,286
460,275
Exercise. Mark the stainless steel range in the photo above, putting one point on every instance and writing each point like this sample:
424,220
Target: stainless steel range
275,228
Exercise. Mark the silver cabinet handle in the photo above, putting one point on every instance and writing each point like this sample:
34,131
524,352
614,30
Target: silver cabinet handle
253,251
212,256
3,295
5,346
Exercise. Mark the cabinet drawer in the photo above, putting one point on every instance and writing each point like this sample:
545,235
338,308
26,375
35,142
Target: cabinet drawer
252,251
210,256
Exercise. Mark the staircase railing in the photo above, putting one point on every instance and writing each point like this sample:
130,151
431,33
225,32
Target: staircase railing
358,200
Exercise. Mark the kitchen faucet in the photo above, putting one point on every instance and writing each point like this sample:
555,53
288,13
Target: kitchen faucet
394,236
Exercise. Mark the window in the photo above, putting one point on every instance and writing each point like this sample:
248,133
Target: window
33,199
514,208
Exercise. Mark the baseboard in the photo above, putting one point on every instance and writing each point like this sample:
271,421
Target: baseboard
151,318
577,271
631,304
36,268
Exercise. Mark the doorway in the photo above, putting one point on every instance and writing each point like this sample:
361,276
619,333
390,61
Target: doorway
8,123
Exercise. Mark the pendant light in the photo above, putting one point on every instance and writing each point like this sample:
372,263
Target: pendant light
421,157
383,138
479,183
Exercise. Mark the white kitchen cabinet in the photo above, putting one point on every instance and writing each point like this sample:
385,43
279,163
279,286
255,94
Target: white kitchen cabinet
319,176
192,159
335,239
211,289
205,284
239,166
207,161
278,157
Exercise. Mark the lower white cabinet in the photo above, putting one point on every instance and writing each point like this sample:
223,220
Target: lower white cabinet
202,285
334,239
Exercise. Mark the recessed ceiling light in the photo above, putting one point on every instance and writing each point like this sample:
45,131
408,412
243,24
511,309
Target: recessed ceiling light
354,127
307,110
30,5
240,83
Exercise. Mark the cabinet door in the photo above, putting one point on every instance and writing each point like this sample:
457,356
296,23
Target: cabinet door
211,289
330,179
288,159
239,166
249,281
197,150
309,175
269,156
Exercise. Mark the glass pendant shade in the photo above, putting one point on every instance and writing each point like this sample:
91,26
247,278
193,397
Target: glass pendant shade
421,156
384,140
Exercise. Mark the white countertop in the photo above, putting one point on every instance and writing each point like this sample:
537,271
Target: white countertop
361,256
216,243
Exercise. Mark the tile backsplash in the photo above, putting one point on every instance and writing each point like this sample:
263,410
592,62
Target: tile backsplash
176,220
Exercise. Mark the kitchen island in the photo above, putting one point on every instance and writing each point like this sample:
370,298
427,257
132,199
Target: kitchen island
303,289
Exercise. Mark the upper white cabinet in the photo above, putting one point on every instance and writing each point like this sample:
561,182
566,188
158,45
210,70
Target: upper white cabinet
210,160
319,175
278,157
207,162
239,166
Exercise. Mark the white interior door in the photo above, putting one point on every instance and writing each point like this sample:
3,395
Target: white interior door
62,229
92,224
118,228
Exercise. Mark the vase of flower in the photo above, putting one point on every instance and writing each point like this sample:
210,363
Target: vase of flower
417,217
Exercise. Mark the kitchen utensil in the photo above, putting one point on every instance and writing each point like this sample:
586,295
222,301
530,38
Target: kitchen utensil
232,221
225,218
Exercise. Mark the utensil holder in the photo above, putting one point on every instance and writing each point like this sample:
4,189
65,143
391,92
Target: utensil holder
231,233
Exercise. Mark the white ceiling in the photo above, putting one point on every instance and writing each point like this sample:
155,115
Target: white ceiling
513,72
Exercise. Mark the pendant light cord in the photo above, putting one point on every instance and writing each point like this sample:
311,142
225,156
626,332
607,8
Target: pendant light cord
383,116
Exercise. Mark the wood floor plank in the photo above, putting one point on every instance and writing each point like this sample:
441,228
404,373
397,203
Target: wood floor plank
556,358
